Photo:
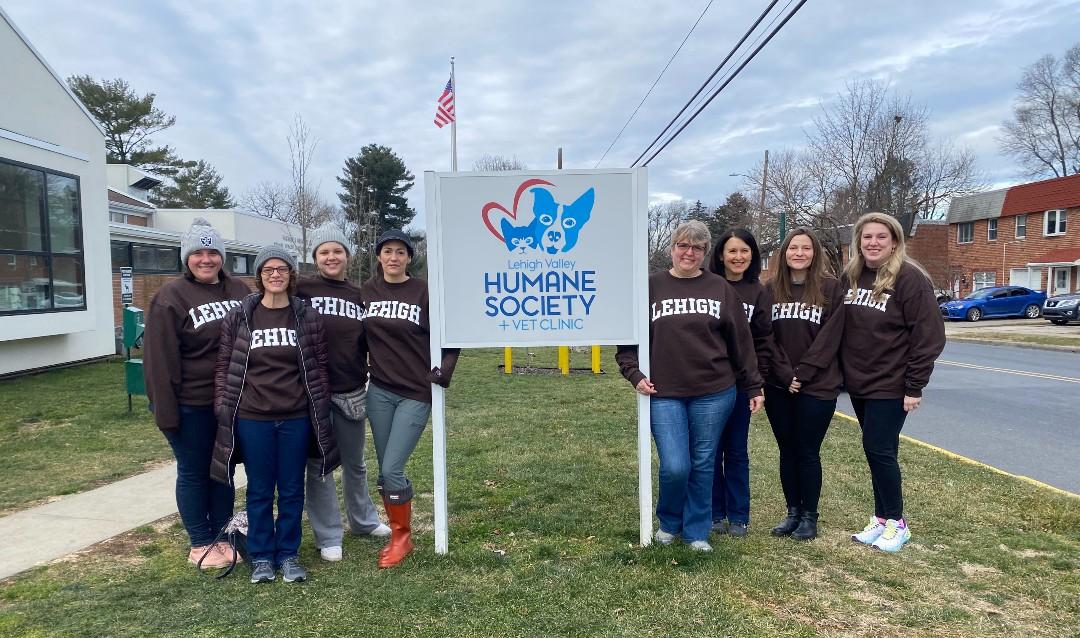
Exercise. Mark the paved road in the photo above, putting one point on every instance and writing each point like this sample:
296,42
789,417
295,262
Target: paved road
1017,409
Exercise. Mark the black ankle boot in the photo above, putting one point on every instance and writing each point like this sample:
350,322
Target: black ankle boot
807,528
790,522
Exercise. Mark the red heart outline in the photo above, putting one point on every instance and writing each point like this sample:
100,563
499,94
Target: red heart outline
488,207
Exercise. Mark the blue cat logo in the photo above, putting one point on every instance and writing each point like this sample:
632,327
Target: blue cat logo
554,228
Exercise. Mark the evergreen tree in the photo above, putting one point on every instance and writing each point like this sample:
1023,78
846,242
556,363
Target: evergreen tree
374,185
198,186
129,120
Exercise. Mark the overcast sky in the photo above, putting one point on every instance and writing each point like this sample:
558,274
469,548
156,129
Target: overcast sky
536,76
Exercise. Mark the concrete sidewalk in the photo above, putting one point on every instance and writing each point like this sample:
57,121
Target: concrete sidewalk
41,534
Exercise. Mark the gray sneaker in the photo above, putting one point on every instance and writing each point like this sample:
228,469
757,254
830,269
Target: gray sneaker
262,571
292,571
720,526
737,529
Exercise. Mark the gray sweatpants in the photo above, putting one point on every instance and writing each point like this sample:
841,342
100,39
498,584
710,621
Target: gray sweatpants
396,426
321,502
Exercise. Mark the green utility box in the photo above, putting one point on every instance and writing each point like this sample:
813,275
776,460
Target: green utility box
134,326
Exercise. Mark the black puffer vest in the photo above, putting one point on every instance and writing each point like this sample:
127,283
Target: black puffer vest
231,371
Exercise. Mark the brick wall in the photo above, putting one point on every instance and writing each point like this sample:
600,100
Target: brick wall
1007,252
144,287
930,247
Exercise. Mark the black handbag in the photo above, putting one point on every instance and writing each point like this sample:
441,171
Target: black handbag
235,534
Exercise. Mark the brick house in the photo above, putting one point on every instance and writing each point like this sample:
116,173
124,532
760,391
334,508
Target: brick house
927,243
1017,236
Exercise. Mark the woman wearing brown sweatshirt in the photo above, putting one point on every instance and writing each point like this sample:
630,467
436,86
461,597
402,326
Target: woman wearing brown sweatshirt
737,259
183,326
700,351
807,312
341,307
399,395
893,333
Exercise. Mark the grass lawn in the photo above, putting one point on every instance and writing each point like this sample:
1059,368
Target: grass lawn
543,540
69,430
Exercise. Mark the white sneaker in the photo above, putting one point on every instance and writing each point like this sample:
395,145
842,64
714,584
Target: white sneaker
331,554
381,531
870,533
701,546
893,538
663,537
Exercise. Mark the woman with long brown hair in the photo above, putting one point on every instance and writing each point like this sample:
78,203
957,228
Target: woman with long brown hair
807,313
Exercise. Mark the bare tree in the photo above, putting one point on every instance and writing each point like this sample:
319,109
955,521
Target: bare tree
269,200
499,163
869,149
663,220
1044,132
307,213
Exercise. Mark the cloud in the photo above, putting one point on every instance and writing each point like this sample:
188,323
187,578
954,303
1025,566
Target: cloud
533,77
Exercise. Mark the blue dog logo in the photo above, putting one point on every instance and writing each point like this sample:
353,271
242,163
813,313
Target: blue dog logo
554,228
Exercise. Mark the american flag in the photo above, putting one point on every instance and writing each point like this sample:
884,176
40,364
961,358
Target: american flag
444,113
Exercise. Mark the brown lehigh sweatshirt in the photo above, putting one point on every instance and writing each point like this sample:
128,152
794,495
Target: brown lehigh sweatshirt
273,384
342,308
183,325
890,343
699,339
806,339
755,304
399,340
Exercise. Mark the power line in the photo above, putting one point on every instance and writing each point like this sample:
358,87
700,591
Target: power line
709,79
655,82
728,81
742,56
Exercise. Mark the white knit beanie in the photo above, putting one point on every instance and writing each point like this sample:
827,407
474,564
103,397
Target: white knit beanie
329,232
200,236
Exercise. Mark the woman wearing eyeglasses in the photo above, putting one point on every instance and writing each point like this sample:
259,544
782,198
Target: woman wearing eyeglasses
737,259
273,404
701,357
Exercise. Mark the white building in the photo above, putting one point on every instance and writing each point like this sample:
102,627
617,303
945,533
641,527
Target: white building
55,291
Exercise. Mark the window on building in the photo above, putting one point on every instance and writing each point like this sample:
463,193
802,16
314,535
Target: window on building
982,280
991,230
119,218
145,257
240,264
965,232
41,240
1054,222
1021,226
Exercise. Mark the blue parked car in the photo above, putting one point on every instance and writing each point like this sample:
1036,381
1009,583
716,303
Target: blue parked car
1002,301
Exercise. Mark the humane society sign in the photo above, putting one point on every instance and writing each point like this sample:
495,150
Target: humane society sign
537,258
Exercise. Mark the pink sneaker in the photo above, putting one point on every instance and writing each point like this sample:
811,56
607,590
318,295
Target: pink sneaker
213,560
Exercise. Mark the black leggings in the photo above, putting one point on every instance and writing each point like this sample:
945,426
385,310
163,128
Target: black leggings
799,423
881,421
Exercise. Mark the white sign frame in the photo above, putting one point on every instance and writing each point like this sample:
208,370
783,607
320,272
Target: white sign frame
638,216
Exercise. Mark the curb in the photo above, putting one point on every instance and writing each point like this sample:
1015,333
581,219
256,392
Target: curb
1015,344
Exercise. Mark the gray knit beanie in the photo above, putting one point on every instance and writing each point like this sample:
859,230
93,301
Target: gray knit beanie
201,235
274,252
329,232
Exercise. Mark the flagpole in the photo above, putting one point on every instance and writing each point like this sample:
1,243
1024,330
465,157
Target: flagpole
453,123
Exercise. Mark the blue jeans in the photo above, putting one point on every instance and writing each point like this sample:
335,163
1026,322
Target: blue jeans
205,505
731,480
275,455
687,431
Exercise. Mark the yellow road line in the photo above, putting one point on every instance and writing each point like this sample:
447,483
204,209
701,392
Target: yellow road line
1023,373
959,457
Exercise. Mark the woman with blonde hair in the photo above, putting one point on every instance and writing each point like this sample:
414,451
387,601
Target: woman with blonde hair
807,313
701,351
893,333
